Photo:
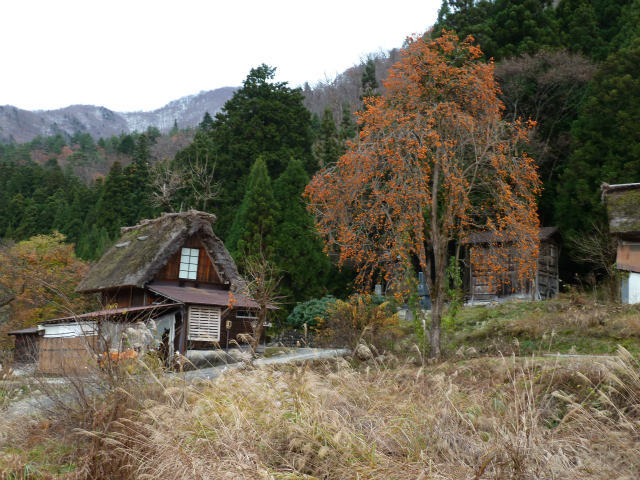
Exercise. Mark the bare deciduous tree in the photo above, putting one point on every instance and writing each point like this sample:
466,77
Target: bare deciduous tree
200,178
197,178
263,283
165,183
598,249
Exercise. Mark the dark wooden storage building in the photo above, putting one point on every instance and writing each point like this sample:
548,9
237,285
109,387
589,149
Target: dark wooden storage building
481,288
27,345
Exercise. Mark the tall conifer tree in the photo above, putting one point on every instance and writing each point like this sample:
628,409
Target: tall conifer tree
253,230
299,249
328,146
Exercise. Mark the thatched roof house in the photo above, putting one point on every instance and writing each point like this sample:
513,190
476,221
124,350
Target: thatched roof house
144,249
172,269
622,202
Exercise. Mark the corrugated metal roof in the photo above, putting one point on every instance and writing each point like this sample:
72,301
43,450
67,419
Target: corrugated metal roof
114,311
202,296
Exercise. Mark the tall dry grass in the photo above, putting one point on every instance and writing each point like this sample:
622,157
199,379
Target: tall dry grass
490,418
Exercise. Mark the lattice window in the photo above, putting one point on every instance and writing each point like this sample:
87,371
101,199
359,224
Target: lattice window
204,324
189,263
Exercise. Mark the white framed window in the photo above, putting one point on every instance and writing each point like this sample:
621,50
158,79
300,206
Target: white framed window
204,323
189,263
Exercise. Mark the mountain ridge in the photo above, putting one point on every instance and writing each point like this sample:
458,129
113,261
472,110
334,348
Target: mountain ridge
22,125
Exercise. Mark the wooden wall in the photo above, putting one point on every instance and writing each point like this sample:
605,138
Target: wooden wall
72,355
481,286
125,297
548,278
628,257
206,271
238,327
485,283
26,348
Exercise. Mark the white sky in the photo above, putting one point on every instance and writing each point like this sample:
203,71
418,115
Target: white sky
140,54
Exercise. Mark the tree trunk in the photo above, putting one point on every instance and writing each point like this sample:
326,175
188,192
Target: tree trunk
439,247
437,296
259,328
436,318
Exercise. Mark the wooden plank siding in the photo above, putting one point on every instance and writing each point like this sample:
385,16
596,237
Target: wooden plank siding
239,326
71,355
628,257
125,297
484,284
206,271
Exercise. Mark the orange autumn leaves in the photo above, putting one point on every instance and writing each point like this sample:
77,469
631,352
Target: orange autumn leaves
434,163
41,273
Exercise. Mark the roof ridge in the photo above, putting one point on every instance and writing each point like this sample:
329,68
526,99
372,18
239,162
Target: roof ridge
189,213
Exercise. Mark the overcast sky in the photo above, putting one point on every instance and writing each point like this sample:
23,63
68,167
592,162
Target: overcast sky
139,54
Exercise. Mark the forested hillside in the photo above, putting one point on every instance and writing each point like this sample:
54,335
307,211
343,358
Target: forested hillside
573,67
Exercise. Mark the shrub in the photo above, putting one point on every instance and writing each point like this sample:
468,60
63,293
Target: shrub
310,312
360,317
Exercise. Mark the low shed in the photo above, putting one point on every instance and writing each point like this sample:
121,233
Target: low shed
481,287
27,345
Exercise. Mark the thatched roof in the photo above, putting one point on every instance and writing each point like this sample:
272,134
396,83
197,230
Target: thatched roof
144,249
623,207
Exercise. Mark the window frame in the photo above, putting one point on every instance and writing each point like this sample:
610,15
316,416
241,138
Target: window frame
188,268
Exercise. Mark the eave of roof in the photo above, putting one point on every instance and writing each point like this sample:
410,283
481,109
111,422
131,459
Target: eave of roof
203,296
24,331
545,233
619,187
136,312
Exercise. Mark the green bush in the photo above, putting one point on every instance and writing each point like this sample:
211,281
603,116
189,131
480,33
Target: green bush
309,312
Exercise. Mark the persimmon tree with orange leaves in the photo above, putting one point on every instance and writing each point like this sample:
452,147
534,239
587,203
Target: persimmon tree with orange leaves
434,163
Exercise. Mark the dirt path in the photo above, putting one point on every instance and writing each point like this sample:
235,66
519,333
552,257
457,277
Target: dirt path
40,402
300,355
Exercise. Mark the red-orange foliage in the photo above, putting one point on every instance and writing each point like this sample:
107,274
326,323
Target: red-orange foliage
434,163
41,273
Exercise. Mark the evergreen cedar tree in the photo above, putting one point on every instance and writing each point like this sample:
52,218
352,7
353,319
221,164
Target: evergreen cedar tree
262,119
434,163
508,28
304,267
606,141
272,223
253,230
329,145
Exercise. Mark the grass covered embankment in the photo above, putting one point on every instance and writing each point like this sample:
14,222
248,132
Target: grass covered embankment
566,325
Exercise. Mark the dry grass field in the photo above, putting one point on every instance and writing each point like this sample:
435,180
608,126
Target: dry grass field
490,417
